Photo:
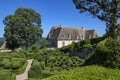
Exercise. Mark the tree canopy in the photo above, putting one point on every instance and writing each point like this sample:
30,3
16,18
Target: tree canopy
105,10
109,12
23,28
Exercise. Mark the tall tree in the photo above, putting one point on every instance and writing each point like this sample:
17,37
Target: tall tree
106,10
23,28
109,12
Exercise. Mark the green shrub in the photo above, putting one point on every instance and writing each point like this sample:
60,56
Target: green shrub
18,54
87,73
20,60
21,69
35,72
104,55
6,75
7,66
31,55
35,49
95,41
2,63
16,65
100,55
56,69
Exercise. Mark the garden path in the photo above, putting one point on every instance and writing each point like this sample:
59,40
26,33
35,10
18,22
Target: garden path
24,75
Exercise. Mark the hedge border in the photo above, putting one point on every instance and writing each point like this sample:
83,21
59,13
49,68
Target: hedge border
21,70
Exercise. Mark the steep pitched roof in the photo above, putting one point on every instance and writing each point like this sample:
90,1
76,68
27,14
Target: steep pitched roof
91,33
54,32
70,33
67,33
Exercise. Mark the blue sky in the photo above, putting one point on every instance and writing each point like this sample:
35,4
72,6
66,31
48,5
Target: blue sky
53,13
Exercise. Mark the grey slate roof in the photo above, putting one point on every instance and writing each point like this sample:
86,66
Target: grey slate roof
67,33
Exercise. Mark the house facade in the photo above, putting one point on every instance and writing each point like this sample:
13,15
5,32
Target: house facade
2,43
60,36
3,46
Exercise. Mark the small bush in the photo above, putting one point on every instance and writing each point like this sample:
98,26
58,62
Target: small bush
87,73
16,65
21,60
31,55
3,63
21,69
7,66
56,69
35,49
35,72
6,75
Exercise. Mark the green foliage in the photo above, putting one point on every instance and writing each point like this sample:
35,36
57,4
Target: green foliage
23,28
16,65
44,43
78,49
4,60
30,55
87,73
100,54
74,47
21,69
54,60
6,75
105,10
35,49
14,61
35,71
18,54
104,55
95,41
114,53
7,65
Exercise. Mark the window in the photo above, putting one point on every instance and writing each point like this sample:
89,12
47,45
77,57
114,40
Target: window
82,36
63,43
63,36
89,36
69,36
77,37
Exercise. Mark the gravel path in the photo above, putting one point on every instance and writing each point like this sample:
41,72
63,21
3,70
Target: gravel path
24,75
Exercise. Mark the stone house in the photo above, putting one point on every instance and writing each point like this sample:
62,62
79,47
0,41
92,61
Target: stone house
2,43
60,36
3,47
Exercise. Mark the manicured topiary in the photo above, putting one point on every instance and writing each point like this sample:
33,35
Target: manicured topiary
35,71
2,63
7,66
16,65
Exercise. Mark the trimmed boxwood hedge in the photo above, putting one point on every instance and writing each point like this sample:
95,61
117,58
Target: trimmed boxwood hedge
35,72
21,70
8,65
7,75
16,65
